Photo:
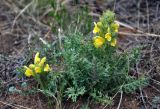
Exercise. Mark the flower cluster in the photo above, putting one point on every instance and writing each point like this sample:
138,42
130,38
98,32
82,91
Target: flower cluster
105,30
38,67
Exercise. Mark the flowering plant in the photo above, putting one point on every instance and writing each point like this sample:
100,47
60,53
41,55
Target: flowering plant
90,67
94,68
105,31
39,66
37,69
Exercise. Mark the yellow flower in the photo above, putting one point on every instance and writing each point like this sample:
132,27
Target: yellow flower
96,29
32,66
36,59
43,60
114,42
108,36
115,26
28,71
47,68
98,41
37,69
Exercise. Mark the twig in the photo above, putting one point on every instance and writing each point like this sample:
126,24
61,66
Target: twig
15,105
138,13
157,8
57,6
39,23
29,38
4,83
9,104
128,26
65,2
21,12
94,14
43,41
120,101
112,99
154,88
155,81
141,94
147,10
115,1
151,49
139,34
46,12
57,101
60,38
41,107
21,106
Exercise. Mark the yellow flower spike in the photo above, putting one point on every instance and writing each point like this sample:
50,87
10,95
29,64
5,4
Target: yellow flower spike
108,36
43,60
37,59
115,26
47,68
32,66
37,69
28,71
98,41
96,29
114,42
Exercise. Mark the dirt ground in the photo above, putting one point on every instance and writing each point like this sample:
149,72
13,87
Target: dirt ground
140,17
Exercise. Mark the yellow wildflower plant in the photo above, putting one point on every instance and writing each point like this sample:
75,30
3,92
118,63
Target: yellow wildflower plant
107,28
36,58
98,41
115,26
38,67
47,68
108,36
114,42
43,60
96,28
28,71
32,66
